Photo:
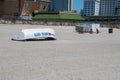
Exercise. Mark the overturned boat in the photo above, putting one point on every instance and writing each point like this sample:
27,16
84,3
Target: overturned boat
34,34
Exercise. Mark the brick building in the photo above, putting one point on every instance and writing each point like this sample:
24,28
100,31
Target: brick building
9,7
22,7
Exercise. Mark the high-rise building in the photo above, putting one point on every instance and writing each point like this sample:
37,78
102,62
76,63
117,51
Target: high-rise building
91,7
70,5
61,5
110,7
101,7
40,0
107,7
117,7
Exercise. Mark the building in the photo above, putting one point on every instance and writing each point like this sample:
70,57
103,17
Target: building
117,7
110,7
22,7
61,5
70,5
41,0
9,7
26,7
91,7
101,7
41,5
1,6
107,7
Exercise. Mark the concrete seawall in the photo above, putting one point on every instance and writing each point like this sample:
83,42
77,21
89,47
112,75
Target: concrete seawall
40,22
55,22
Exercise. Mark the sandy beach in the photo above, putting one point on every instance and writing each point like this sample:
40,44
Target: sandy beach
72,56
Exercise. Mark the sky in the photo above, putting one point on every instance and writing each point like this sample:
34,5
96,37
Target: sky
77,5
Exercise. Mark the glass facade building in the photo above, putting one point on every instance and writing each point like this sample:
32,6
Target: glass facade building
58,5
117,7
91,7
101,7
107,7
61,5
40,0
110,7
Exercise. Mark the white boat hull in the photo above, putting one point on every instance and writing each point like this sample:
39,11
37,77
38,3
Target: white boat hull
31,34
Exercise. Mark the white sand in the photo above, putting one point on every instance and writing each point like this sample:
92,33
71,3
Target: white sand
72,56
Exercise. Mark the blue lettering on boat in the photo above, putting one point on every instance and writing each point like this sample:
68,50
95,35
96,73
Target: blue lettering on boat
42,34
45,34
37,34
